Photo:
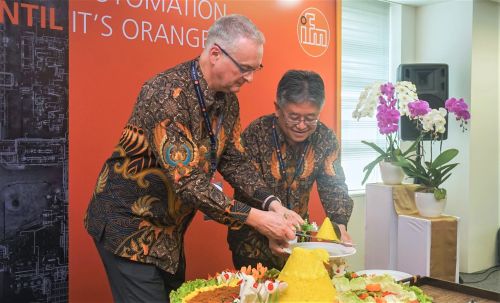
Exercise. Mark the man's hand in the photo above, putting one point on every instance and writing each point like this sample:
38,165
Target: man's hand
271,224
344,235
277,248
289,215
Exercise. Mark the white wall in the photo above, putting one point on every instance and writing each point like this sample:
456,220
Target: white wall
402,27
464,35
444,35
356,229
484,136
498,94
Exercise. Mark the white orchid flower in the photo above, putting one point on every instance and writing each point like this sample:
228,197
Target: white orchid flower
367,102
435,121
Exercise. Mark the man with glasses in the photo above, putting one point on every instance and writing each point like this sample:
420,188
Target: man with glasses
292,149
184,127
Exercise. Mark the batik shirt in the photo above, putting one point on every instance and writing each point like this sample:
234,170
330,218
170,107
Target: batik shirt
158,175
321,164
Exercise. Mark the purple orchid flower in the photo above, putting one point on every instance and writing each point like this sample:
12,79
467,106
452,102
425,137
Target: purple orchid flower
459,108
418,108
388,119
387,89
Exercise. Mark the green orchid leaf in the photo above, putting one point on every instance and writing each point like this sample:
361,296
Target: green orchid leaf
413,168
402,162
447,168
415,173
372,164
366,176
440,174
419,167
449,165
407,171
445,178
410,171
375,147
445,157
434,174
425,179
413,161
370,167
412,148
397,152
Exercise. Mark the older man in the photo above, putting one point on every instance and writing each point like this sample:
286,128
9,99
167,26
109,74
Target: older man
292,149
184,127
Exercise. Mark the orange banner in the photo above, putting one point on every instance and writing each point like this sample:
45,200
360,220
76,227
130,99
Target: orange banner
116,45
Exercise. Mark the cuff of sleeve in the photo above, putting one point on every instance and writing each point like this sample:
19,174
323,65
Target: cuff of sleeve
267,202
341,220
265,197
238,211
261,194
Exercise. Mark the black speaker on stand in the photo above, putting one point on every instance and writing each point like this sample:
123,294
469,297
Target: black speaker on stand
431,81
432,86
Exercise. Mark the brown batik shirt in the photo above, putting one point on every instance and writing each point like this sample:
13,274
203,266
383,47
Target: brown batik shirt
321,164
158,175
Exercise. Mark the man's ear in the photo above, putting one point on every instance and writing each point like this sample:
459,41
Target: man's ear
276,108
214,54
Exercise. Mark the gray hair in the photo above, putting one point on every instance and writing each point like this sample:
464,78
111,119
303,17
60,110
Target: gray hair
229,29
297,86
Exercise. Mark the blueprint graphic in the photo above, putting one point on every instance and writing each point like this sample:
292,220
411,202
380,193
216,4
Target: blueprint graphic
34,154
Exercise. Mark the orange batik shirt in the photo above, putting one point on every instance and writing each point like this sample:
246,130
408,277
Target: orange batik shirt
321,164
158,175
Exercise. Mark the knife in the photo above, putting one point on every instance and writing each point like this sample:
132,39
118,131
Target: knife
311,237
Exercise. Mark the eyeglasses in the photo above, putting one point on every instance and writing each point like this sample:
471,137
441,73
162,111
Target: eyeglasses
243,69
295,120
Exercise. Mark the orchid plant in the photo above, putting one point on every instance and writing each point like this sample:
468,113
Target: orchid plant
430,171
401,99
391,101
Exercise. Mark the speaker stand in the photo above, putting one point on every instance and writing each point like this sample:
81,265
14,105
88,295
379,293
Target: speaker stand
418,158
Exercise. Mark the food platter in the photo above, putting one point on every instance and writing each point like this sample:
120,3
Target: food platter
334,250
397,275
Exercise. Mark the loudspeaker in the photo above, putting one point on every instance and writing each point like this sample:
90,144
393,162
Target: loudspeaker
431,81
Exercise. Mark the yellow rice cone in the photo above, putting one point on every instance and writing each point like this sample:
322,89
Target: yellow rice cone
326,231
307,277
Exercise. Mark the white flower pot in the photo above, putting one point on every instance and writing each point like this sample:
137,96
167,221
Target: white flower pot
428,206
391,174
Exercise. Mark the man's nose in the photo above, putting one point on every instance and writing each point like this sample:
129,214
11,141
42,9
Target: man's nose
248,76
301,125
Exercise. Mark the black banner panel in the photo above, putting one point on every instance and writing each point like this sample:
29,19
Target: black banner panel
33,151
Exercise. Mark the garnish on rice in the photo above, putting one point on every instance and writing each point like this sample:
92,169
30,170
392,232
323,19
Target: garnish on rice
308,227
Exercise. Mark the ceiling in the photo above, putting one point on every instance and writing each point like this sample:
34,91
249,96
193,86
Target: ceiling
418,2
425,2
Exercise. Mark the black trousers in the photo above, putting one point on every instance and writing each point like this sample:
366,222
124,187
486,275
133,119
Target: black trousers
133,282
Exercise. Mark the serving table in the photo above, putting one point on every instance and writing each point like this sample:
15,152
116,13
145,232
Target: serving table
446,292
398,238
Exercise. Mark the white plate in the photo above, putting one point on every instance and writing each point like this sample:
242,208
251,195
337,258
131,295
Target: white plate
333,249
397,275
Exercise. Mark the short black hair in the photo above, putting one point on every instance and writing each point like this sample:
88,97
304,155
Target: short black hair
297,86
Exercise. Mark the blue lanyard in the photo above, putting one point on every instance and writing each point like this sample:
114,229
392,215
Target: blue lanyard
203,108
298,167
